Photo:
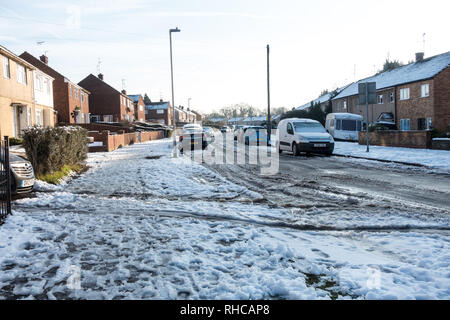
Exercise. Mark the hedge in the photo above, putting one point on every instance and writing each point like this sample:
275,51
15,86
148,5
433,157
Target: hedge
50,149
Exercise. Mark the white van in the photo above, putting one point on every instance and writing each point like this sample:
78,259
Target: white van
303,135
344,126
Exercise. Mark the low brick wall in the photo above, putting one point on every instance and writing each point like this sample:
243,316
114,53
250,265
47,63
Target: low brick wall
441,144
393,138
107,141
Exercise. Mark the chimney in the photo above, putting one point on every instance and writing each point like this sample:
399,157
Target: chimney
419,56
124,92
44,59
100,76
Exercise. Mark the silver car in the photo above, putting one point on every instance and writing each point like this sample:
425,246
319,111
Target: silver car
22,175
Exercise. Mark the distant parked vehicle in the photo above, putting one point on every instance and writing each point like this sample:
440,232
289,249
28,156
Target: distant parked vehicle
385,121
225,129
192,126
344,126
22,175
254,135
303,135
236,131
192,139
209,132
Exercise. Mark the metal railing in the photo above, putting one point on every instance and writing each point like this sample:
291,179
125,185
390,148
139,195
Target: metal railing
5,181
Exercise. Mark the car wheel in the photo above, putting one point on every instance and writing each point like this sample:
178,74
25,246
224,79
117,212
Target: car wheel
295,150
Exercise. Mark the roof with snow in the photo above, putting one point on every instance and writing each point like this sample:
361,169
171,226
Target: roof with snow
251,119
420,70
134,97
321,99
237,119
157,106
216,119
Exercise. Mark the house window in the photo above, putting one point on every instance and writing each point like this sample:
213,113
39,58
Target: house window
421,124
391,97
6,69
21,74
380,99
344,106
429,123
48,83
404,94
76,93
141,108
39,84
405,125
160,111
425,90
39,117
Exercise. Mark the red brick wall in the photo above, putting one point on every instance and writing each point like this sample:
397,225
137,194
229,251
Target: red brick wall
442,100
409,139
153,116
112,141
415,107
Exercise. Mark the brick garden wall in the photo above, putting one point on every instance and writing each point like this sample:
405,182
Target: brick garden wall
114,140
408,139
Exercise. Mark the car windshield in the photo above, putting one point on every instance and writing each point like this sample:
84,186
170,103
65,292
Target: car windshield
308,127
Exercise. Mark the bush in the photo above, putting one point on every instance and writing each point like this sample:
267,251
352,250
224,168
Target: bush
50,149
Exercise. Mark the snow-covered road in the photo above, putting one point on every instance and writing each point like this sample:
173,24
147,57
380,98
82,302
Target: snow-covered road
141,225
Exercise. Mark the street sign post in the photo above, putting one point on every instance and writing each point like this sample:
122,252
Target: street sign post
367,94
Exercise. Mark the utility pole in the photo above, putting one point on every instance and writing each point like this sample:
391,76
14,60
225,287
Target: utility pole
174,146
367,113
269,118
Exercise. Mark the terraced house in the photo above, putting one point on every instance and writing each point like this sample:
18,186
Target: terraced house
71,102
107,103
26,95
415,96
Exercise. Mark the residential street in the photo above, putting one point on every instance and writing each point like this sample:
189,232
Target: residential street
142,225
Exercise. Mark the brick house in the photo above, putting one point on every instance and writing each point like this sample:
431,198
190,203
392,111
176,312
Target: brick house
106,103
139,107
417,95
160,112
70,101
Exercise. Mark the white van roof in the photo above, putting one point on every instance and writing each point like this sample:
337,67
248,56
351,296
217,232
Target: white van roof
300,120
342,115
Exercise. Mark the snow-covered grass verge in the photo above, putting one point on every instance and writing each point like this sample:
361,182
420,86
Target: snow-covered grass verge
439,159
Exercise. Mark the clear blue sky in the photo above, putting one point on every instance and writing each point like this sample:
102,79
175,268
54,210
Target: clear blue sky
219,56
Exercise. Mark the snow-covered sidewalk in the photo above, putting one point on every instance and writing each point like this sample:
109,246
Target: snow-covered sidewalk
439,159
142,225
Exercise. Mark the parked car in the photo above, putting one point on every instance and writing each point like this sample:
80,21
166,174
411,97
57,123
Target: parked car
22,175
192,126
225,129
236,131
209,132
344,126
303,135
192,139
386,121
255,135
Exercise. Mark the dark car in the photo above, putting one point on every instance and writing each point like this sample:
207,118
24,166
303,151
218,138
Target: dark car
192,139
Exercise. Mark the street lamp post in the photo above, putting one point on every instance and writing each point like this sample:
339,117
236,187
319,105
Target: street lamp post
174,147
